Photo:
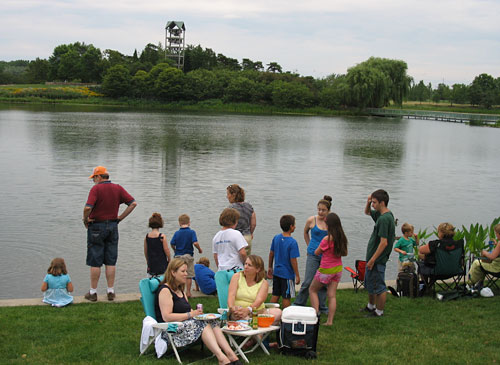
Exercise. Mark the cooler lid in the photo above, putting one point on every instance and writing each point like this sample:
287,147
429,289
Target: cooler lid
298,313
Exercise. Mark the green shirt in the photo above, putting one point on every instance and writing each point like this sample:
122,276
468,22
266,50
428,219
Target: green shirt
407,246
384,228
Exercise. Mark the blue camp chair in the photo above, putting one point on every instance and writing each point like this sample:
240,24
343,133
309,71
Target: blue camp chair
222,280
148,288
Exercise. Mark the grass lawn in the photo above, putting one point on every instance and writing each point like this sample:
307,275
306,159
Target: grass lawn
446,107
413,331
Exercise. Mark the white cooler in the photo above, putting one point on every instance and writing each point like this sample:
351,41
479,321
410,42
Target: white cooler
299,329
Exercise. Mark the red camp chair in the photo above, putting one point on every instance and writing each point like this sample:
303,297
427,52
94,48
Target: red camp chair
358,276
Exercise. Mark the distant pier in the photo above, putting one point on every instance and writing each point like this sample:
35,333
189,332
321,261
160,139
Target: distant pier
442,116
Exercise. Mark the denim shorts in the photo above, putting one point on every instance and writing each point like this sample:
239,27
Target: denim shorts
102,244
375,280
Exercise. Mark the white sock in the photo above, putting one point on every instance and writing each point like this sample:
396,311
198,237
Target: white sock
370,306
93,291
111,290
379,312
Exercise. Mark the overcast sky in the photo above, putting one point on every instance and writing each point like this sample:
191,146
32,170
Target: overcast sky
440,40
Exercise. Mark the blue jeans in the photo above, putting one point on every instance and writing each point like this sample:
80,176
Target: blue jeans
312,265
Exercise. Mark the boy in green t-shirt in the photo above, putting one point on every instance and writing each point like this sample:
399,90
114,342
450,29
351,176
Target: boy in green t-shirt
405,246
378,251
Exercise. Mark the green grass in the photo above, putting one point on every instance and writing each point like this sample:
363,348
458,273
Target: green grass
413,331
446,107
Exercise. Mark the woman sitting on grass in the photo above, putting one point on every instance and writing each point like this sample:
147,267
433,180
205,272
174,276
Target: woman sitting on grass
171,305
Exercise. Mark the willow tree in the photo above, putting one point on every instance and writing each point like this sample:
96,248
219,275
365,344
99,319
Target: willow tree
377,81
369,86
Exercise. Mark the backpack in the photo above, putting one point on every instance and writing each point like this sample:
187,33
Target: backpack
407,284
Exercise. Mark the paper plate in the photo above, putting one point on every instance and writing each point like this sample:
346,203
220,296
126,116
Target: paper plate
207,316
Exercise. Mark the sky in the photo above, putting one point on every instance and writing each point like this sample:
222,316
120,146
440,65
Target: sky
440,40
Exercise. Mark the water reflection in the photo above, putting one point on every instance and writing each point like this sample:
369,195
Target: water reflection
376,138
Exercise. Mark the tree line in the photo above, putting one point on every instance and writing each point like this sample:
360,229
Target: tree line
483,91
207,75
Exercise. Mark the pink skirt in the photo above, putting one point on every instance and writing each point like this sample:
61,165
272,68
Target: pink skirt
327,278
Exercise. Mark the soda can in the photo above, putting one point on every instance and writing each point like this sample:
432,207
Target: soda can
199,306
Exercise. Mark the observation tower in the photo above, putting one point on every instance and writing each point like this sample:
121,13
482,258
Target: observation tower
175,42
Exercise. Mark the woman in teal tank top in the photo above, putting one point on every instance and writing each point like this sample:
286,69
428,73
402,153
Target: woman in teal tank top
317,226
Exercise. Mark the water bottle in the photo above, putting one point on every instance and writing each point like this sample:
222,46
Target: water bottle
492,245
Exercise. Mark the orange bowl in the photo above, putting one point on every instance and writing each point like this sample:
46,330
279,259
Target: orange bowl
265,320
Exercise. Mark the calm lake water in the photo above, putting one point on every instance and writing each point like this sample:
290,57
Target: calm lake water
182,163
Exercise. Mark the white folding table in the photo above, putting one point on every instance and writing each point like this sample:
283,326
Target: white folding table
248,334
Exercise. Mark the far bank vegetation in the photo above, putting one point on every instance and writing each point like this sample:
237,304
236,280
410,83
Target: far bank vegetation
213,78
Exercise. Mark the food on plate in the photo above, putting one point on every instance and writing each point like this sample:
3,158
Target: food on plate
236,326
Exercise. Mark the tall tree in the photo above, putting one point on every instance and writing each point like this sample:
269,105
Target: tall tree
395,70
197,57
459,94
228,62
274,67
370,87
483,91
247,64
151,54
76,61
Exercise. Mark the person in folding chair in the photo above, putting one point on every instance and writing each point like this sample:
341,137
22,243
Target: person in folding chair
489,265
428,268
171,305
248,289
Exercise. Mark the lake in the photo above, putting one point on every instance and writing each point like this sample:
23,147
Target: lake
181,163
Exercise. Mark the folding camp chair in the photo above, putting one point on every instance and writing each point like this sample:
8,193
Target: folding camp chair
222,280
148,288
491,278
450,266
358,276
